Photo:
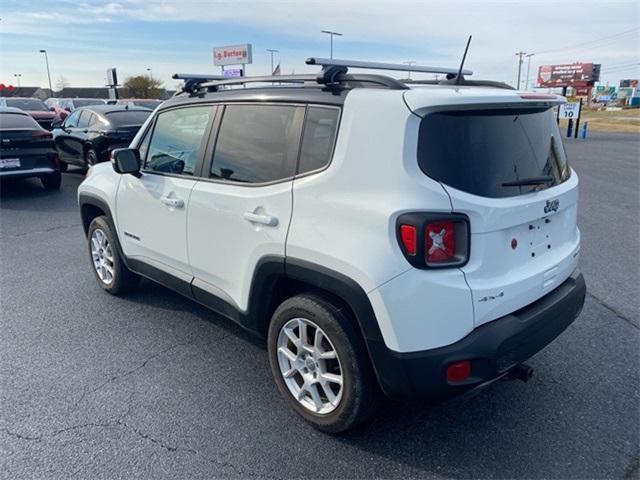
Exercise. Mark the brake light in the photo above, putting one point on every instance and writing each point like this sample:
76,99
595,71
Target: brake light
434,240
42,134
409,237
55,159
440,242
459,371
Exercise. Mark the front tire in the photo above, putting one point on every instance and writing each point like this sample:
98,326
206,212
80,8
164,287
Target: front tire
109,269
320,364
52,181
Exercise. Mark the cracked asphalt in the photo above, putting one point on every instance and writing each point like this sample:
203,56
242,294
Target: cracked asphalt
152,385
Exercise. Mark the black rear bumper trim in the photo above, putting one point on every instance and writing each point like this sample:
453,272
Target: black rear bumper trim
494,348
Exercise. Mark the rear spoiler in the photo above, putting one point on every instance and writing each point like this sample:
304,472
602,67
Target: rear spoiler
548,98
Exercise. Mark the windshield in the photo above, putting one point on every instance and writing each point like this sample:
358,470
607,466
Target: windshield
31,104
87,102
493,153
128,117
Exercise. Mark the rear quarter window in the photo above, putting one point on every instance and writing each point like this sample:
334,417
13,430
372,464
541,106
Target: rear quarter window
478,151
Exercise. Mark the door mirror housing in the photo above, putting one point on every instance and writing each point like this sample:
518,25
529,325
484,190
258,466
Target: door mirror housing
126,160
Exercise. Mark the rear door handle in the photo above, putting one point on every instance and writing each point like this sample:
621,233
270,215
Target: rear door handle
172,202
263,219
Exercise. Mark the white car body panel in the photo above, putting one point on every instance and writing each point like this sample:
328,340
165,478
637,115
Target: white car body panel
224,245
151,230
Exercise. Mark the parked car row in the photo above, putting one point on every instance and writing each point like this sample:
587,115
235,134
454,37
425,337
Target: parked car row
64,106
85,137
35,107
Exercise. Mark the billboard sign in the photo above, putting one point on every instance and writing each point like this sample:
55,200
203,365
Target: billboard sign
232,73
232,55
569,75
112,77
569,110
629,83
625,92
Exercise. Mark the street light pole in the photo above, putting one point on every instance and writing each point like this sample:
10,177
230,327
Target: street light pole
331,34
520,55
272,51
409,62
526,85
150,73
17,75
46,59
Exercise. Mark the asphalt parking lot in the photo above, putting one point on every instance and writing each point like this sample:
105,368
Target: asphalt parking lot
152,385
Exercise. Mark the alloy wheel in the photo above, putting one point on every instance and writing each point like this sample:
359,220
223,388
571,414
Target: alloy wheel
102,256
310,366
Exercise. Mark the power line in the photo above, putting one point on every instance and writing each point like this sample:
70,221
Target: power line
596,41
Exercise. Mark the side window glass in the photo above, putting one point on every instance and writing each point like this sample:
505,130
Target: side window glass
256,143
83,121
72,120
176,140
318,139
143,147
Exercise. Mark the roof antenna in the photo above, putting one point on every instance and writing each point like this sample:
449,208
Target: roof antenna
464,57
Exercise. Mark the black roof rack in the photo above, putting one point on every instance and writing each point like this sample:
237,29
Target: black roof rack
334,74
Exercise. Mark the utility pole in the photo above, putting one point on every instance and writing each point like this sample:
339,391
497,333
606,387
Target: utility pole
520,54
526,85
17,75
46,59
272,51
331,34
409,62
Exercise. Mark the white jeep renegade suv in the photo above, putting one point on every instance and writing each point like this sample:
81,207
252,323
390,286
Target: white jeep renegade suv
415,240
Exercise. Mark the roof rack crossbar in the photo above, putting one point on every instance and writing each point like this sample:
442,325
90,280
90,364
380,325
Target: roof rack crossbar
193,80
334,62
329,78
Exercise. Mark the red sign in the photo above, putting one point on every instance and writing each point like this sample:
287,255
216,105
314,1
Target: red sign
571,75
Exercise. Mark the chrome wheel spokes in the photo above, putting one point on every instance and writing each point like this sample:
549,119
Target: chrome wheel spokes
310,365
102,256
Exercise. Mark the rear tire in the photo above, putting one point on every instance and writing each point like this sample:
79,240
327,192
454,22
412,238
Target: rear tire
109,269
90,157
52,181
332,394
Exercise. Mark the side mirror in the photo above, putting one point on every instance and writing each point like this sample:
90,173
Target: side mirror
126,160
56,124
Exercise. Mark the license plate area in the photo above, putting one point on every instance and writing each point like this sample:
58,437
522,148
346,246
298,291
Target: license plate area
9,162
540,237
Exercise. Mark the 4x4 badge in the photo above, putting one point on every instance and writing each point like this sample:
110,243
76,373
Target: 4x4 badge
552,206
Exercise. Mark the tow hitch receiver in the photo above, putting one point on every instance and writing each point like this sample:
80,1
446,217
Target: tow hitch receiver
521,372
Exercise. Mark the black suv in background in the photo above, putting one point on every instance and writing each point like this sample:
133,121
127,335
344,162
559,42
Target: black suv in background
89,134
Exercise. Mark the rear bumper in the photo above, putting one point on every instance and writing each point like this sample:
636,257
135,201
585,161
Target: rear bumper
493,348
28,172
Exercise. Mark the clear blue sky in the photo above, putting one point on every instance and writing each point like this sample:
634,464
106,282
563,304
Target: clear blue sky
85,38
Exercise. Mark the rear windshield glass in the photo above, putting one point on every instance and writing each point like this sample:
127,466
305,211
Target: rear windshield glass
17,120
152,104
479,151
86,103
123,118
31,104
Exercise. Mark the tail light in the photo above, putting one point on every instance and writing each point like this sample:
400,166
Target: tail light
434,240
55,159
42,134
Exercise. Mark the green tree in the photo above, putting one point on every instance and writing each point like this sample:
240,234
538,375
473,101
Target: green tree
142,86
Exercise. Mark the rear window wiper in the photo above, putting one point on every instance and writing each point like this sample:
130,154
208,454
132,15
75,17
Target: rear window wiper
530,181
